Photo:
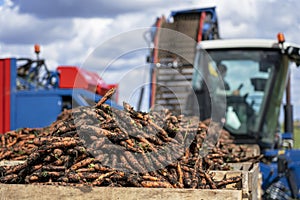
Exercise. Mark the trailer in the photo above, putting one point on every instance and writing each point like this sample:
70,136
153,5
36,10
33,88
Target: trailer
33,96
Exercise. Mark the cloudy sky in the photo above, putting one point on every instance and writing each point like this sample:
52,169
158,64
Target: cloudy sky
70,31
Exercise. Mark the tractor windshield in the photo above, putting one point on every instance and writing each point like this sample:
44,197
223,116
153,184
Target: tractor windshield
246,76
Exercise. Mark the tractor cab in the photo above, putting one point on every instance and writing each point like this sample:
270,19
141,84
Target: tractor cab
240,83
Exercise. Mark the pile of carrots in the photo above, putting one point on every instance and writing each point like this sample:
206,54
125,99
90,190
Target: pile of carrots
103,146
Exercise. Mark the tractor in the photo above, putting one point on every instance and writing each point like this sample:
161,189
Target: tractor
239,83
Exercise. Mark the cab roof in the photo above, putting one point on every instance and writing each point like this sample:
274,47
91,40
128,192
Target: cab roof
238,43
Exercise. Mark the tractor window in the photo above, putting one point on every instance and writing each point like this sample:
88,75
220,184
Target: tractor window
246,76
245,97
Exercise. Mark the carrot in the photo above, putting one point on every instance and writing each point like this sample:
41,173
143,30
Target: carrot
172,177
105,97
228,181
148,144
5,154
16,169
134,180
54,174
90,176
32,178
187,154
58,162
161,131
100,179
20,157
210,181
11,178
131,148
90,169
72,177
53,168
150,178
82,163
12,142
180,175
36,167
156,184
3,140
187,179
194,175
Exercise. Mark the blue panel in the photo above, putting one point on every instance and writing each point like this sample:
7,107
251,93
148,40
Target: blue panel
270,171
286,136
36,110
39,108
206,25
199,10
13,91
295,174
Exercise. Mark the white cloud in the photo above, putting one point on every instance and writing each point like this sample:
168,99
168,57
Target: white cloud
95,8
240,30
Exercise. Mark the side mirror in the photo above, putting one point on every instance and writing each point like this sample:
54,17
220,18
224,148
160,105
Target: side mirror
294,54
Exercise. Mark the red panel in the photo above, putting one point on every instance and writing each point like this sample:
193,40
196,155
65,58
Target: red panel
4,95
7,95
68,76
200,30
155,60
74,77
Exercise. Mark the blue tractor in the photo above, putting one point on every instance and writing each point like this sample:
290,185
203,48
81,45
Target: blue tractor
239,83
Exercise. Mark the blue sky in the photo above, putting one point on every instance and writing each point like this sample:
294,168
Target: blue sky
69,31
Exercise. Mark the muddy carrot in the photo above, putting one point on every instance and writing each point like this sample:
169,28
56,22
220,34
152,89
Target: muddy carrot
82,163
156,184
100,179
105,97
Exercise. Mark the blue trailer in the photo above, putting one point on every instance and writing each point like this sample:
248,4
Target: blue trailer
32,96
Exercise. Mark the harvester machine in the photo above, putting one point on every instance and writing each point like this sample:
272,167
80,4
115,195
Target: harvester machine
174,41
239,83
33,96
